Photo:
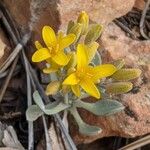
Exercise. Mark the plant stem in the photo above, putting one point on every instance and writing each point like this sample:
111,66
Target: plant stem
66,100
76,115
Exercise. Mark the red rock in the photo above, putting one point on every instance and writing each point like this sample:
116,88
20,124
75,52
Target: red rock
139,4
100,11
55,13
135,119
4,47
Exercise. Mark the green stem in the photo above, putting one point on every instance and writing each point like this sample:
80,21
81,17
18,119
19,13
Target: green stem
76,115
66,100
81,104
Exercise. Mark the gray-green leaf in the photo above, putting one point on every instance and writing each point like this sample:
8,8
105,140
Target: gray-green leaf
84,128
93,34
49,110
33,112
89,130
38,100
97,59
101,107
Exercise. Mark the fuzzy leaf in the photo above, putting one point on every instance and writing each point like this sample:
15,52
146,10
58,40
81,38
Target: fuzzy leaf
126,74
101,107
84,128
76,29
52,104
89,130
49,109
119,63
119,87
38,100
33,112
97,59
70,25
93,34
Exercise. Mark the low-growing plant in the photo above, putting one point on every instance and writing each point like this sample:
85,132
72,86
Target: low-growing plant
76,72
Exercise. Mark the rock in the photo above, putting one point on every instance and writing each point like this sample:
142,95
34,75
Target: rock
117,45
5,49
37,13
33,14
95,8
135,119
139,4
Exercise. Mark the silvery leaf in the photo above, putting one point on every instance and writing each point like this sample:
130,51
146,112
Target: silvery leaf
97,59
38,100
84,128
33,112
101,107
53,110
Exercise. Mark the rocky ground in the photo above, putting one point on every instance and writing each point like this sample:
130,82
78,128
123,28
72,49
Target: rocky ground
115,43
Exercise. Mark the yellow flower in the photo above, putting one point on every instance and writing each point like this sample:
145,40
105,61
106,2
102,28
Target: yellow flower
54,51
85,76
53,66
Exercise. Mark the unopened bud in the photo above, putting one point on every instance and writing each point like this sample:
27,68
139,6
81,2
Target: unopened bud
93,33
119,88
52,88
126,74
84,20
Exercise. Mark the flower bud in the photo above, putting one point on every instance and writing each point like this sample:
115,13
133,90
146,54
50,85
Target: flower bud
119,88
76,29
84,20
126,74
93,34
119,63
52,88
38,45
70,25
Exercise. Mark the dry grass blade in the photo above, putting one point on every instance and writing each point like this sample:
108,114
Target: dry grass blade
143,20
137,144
126,29
3,89
48,140
10,59
29,98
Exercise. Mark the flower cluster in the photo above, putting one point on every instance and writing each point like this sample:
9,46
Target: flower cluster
60,50
74,65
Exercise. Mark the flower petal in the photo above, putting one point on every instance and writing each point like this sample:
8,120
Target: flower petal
76,90
71,79
49,70
60,36
38,45
91,50
40,55
102,71
82,59
61,58
49,36
90,88
66,41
